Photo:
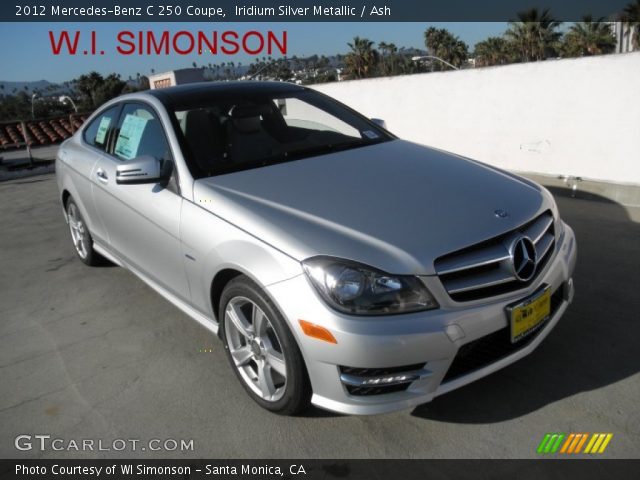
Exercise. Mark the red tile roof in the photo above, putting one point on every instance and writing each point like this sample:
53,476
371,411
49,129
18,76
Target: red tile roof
40,132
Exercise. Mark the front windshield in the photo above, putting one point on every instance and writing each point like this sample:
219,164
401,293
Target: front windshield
223,135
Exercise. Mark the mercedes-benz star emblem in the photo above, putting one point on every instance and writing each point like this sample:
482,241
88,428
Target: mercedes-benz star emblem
523,258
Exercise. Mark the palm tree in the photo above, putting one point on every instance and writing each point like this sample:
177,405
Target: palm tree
589,37
631,18
384,53
393,57
535,35
363,58
493,51
88,87
443,44
388,58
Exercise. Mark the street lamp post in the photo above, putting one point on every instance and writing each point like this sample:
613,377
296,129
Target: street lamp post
33,97
433,57
65,98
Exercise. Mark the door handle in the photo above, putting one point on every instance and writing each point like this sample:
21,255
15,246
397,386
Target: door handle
102,175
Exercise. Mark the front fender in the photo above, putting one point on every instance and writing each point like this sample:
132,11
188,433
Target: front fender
67,183
211,245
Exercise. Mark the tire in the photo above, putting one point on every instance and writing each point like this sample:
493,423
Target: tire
80,236
268,364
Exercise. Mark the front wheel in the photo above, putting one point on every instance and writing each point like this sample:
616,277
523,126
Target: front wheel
262,350
80,236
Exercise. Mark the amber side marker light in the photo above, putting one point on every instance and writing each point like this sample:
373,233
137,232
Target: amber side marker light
316,331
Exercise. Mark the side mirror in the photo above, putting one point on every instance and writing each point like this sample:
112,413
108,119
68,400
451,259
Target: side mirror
143,169
379,122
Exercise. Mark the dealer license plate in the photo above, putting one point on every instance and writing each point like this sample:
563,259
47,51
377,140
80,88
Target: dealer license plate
527,316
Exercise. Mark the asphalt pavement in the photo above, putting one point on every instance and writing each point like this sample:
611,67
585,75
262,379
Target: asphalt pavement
95,354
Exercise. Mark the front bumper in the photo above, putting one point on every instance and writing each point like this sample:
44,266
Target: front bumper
428,342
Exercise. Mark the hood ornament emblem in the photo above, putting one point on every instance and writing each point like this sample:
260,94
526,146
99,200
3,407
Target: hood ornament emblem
501,213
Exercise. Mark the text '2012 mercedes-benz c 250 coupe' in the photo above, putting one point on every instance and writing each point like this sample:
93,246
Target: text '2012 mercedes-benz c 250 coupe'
340,265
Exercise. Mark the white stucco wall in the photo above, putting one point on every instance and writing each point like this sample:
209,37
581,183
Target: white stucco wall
576,117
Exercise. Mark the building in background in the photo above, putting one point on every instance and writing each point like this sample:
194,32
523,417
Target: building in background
176,77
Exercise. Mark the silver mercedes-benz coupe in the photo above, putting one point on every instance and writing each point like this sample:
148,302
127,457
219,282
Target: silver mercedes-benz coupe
339,265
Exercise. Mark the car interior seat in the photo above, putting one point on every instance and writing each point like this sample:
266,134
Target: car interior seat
247,139
204,136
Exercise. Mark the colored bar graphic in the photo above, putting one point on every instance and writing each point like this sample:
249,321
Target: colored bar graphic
598,443
591,442
556,445
547,448
568,442
581,443
543,443
573,443
605,443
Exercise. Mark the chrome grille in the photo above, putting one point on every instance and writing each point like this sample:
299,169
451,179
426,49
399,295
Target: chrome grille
486,269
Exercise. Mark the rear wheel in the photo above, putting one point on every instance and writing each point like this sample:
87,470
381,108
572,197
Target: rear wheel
261,349
80,236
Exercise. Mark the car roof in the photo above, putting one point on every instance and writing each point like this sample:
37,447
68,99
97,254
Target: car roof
193,92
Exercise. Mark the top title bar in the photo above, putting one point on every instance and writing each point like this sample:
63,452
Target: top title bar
300,10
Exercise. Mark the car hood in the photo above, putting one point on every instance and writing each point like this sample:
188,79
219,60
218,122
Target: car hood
396,205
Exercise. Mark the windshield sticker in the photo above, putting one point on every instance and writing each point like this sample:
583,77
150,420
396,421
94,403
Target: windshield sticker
102,129
130,135
370,134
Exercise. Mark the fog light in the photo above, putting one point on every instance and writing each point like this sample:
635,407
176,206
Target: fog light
390,379
385,380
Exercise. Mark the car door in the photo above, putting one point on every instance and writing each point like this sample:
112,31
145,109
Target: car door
142,220
81,161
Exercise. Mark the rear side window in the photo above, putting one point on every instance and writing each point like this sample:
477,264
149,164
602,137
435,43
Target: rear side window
96,133
140,133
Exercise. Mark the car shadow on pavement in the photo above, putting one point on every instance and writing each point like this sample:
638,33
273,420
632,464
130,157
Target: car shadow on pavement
315,412
595,344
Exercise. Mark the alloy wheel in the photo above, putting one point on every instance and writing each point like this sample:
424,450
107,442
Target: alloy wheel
256,351
78,230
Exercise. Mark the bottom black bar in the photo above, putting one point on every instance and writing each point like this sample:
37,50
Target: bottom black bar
321,469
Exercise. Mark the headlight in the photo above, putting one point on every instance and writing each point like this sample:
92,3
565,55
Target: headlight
361,290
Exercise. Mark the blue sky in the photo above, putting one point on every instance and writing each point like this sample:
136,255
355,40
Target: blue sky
26,54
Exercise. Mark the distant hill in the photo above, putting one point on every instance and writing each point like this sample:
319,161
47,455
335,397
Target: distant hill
43,87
